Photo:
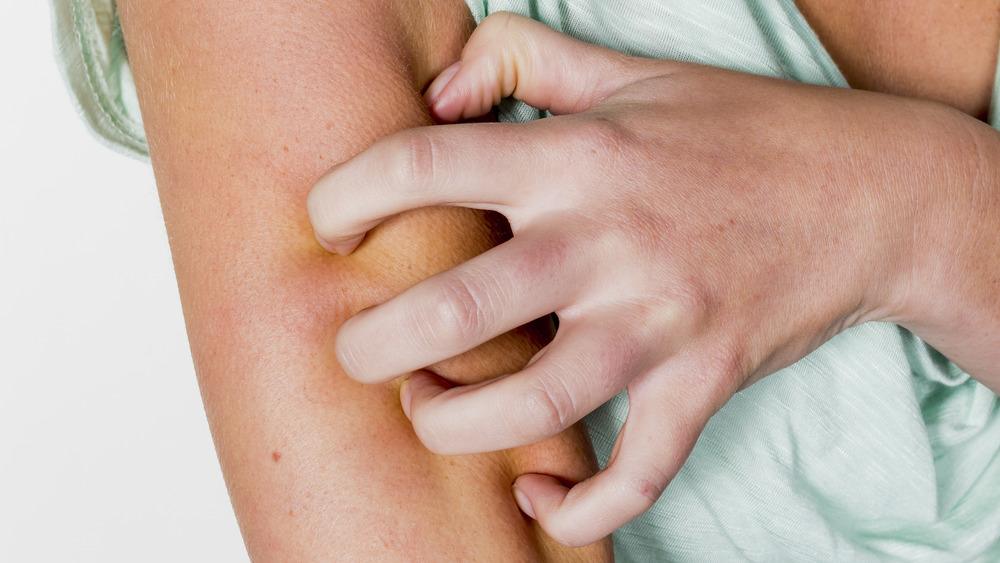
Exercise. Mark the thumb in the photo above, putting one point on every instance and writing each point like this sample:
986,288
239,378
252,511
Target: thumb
511,55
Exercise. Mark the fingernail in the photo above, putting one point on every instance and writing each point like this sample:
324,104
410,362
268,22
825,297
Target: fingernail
439,84
522,502
405,394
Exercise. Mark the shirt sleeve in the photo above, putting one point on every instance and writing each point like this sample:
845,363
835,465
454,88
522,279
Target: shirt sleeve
91,55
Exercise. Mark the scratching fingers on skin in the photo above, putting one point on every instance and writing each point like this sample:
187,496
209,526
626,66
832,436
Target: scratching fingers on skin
511,55
662,427
443,316
577,373
467,165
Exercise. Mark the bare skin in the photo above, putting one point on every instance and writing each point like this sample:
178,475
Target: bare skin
940,51
262,301
242,114
739,254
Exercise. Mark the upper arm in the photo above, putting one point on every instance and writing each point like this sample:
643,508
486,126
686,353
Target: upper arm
245,105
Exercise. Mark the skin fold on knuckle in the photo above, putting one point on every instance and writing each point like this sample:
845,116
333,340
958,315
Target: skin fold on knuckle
546,408
453,317
598,144
408,165
502,44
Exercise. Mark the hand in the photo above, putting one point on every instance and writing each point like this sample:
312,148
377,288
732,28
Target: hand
694,229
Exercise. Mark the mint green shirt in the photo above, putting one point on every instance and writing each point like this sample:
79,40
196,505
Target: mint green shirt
873,448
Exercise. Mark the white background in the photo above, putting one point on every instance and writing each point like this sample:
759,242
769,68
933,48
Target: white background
105,454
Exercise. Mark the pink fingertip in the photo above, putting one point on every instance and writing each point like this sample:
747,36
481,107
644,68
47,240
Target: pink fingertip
522,502
440,83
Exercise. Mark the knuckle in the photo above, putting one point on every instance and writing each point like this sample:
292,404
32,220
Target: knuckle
688,305
548,406
599,147
603,137
499,41
410,162
455,316
497,25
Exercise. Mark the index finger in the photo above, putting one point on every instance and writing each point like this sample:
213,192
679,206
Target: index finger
480,165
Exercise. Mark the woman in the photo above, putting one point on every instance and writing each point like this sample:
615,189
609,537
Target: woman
787,252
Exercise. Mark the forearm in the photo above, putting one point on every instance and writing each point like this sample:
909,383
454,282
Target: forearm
245,106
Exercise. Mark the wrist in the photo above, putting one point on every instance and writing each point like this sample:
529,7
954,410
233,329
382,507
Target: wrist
950,295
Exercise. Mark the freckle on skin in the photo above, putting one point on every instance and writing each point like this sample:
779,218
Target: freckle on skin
276,456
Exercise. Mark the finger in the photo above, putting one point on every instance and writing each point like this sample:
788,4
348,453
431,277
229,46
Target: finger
585,365
511,55
468,165
443,316
667,413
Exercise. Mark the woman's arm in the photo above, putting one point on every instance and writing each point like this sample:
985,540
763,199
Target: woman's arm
694,228
245,105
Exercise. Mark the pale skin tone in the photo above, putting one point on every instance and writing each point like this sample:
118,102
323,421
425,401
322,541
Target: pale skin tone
681,279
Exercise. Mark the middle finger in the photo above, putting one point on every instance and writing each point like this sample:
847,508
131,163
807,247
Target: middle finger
529,276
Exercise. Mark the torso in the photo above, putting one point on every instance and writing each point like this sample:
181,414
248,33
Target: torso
942,51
